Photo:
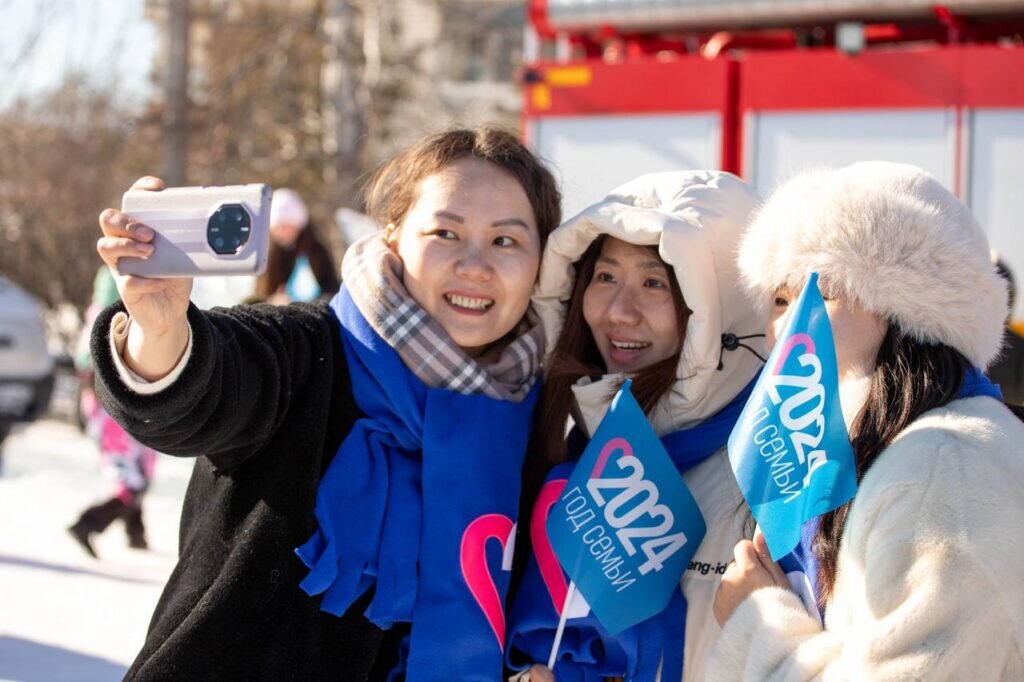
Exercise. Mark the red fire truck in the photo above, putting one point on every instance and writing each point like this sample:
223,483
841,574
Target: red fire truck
764,88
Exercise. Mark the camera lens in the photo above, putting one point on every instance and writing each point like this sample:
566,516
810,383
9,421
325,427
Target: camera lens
228,229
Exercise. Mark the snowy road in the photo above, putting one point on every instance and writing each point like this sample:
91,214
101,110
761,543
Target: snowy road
65,616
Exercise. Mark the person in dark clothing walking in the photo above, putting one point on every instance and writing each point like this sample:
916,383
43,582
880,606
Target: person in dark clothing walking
380,437
1008,369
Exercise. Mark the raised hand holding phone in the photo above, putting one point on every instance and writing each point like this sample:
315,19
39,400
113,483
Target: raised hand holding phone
159,332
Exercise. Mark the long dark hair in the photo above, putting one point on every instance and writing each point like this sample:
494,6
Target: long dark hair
575,355
910,378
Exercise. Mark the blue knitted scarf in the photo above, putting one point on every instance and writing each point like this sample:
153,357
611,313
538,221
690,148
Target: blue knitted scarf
419,506
588,653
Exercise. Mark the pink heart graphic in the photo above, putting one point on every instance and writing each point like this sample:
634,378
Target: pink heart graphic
476,573
614,445
796,340
550,570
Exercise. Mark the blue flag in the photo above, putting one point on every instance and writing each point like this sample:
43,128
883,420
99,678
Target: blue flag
790,449
625,526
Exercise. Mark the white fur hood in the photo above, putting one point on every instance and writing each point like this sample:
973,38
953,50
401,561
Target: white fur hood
696,219
890,236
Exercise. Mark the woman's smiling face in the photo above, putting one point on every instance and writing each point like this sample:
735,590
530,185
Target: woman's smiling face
629,308
471,251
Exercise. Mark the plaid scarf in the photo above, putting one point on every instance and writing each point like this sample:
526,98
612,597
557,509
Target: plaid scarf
420,501
372,272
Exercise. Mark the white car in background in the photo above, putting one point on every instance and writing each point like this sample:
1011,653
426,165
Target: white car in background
26,366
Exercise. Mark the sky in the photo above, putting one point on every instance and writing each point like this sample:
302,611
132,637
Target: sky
41,41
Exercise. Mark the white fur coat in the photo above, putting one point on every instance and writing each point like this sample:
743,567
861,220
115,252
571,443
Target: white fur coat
931,568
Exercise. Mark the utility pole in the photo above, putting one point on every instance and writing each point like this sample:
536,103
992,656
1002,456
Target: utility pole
344,101
175,122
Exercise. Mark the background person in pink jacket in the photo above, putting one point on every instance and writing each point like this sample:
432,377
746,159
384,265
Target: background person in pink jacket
129,463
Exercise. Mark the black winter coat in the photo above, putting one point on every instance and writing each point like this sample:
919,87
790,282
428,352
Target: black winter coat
264,401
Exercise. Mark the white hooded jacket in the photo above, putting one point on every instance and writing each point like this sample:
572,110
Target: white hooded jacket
696,219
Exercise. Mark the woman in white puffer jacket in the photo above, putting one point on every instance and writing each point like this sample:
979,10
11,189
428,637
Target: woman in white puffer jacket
919,575
644,284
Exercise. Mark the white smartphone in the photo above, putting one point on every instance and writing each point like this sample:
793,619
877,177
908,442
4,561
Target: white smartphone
201,230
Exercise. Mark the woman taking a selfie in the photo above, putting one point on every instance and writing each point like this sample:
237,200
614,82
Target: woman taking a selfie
919,575
643,285
381,437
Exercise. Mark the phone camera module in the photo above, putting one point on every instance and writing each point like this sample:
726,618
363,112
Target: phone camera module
228,229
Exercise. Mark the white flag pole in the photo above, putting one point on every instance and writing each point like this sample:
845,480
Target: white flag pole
570,593
561,625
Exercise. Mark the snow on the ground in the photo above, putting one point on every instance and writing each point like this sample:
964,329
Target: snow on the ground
64,615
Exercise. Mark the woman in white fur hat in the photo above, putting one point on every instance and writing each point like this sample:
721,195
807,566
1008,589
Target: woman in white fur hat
643,284
919,575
